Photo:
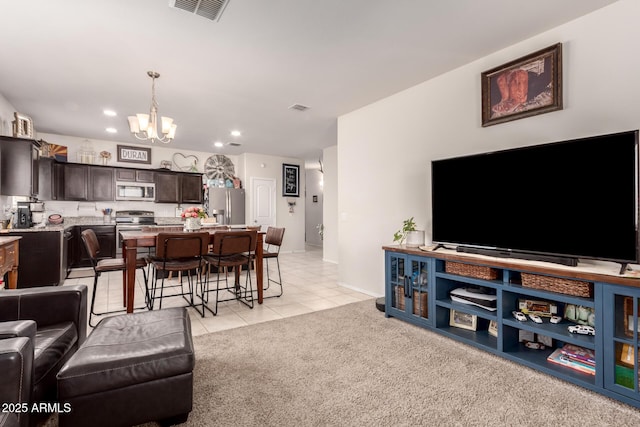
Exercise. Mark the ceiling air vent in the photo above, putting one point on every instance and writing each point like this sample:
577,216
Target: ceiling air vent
299,107
234,144
210,9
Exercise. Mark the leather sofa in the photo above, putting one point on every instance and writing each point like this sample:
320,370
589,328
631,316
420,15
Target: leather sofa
40,329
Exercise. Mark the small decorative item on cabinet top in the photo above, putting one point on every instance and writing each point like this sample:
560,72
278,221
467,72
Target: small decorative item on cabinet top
22,126
105,157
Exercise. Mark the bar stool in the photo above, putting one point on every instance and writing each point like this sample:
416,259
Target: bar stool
100,266
273,239
231,249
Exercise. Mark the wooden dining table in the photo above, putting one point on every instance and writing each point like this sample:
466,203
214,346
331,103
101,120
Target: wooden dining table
132,240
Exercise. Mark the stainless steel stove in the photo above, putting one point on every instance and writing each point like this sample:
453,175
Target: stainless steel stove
131,221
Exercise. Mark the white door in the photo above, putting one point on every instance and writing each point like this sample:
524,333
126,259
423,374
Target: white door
263,211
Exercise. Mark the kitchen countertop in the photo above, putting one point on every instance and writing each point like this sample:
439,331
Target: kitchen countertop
98,220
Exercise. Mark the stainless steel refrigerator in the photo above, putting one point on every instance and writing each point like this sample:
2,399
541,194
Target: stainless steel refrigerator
227,205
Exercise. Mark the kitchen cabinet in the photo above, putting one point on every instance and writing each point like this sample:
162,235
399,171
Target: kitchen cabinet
40,258
83,182
19,168
49,179
75,179
101,185
88,183
134,175
177,187
106,235
191,188
167,187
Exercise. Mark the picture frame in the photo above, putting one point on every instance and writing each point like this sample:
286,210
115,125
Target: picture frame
524,87
462,320
627,355
493,328
290,180
129,154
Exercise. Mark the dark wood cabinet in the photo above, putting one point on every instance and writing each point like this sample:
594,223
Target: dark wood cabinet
106,235
40,258
19,168
191,188
177,187
75,178
167,187
47,180
83,182
134,175
88,183
128,175
101,185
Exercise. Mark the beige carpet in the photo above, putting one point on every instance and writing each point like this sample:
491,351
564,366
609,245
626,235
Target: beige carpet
350,366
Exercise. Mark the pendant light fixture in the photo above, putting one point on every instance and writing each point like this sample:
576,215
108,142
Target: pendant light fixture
145,126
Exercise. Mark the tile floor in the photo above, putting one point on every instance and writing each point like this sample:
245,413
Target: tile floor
310,284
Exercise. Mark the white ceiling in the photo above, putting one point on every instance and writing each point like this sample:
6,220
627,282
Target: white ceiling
64,61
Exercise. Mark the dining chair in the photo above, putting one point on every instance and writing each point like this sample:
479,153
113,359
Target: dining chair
231,249
273,241
178,252
104,265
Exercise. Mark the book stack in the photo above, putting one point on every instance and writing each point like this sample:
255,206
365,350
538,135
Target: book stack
575,357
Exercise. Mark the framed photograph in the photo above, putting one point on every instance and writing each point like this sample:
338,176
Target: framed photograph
493,328
524,87
127,154
463,320
290,180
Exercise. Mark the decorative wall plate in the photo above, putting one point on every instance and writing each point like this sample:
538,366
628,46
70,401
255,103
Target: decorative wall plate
219,166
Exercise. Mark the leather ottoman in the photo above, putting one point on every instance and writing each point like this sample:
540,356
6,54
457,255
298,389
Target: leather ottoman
131,369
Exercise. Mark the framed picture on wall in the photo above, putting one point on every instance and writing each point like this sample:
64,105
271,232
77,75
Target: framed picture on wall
523,87
290,180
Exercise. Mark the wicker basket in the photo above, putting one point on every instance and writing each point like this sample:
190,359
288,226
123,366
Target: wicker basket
471,270
560,285
419,307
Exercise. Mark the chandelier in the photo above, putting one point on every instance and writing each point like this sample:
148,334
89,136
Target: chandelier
145,126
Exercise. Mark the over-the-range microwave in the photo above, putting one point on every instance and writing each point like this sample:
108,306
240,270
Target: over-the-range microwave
135,191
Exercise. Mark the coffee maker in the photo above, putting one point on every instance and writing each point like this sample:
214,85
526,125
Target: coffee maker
23,219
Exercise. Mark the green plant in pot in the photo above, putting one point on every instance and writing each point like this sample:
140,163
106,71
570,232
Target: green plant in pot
407,226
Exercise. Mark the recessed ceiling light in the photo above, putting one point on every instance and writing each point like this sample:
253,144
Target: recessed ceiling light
110,113
218,144
112,130
235,133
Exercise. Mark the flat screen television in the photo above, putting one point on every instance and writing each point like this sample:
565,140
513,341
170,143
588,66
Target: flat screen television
556,202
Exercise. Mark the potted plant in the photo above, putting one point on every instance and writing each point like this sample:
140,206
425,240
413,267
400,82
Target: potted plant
408,232
192,217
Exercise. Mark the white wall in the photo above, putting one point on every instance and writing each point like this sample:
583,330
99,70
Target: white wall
313,210
330,243
263,166
6,116
385,148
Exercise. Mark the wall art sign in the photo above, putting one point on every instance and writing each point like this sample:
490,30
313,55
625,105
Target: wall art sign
127,154
290,180
524,87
